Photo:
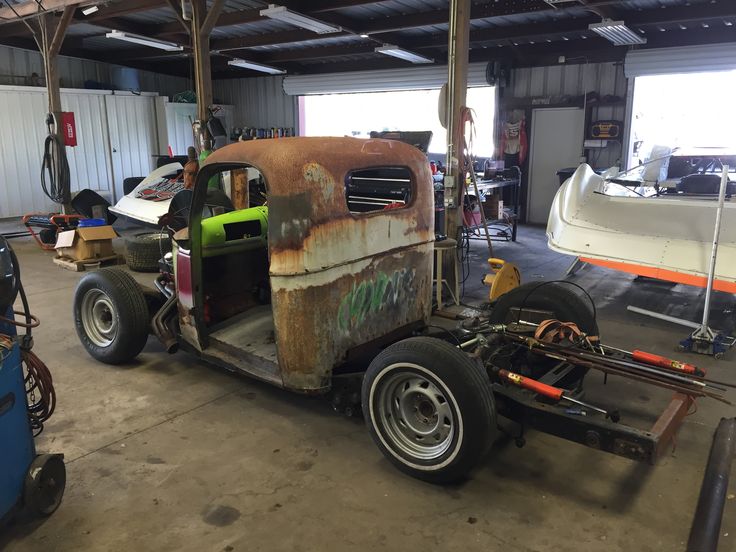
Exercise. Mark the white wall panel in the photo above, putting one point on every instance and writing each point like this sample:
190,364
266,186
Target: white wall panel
179,117
133,136
89,162
22,111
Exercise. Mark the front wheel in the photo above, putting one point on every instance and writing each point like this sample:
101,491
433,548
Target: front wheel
429,408
111,315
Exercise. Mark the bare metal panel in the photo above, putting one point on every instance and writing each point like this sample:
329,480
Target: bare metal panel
338,280
575,79
258,102
17,65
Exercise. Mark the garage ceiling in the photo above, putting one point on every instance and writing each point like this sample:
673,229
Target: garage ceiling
524,32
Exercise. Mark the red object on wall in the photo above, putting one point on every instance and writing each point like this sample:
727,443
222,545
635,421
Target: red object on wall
68,128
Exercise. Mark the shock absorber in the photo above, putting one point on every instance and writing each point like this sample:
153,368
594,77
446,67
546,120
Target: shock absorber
554,393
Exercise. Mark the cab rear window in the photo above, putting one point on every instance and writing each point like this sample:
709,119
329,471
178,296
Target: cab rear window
378,189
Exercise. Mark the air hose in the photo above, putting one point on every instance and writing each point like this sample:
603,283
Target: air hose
55,178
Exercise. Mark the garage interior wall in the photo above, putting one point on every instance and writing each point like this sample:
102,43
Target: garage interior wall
562,80
258,102
16,65
96,163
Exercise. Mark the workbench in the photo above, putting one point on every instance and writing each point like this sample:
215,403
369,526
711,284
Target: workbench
488,187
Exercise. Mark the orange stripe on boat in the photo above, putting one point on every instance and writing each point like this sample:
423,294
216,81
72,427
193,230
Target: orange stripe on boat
663,274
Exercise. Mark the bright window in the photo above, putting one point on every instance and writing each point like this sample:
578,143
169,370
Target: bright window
693,110
416,110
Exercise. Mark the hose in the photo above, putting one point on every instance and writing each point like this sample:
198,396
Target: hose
55,178
39,385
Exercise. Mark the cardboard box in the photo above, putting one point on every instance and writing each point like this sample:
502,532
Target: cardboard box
493,207
81,244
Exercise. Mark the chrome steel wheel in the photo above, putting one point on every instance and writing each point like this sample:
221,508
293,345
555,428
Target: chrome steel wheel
415,413
99,318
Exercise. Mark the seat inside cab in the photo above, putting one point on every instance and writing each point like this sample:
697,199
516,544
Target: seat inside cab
235,262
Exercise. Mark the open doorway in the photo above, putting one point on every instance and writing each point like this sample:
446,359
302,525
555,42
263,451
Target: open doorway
686,111
413,110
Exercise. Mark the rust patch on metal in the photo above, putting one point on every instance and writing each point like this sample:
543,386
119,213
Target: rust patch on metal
338,280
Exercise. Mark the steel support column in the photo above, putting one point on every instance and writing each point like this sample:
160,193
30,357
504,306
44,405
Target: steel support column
457,85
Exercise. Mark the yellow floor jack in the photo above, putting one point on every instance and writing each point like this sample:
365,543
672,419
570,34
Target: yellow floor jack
503,278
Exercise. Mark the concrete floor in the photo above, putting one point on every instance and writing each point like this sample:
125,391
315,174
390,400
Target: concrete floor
170,454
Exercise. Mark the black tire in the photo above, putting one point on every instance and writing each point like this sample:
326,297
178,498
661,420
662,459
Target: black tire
143,251
111,315
130,184
455,386
567,302
44,484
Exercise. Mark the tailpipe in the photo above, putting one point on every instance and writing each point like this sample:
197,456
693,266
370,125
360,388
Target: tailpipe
160,325
706,526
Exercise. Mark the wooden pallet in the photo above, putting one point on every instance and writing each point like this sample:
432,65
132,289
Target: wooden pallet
79,266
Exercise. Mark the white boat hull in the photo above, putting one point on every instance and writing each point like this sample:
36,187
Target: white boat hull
666,238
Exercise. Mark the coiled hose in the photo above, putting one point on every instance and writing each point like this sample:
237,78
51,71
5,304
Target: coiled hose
55,178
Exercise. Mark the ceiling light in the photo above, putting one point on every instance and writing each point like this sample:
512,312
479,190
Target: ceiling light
284,14
728,23
406,55
152,42
245,64
90,10
617,33
363,35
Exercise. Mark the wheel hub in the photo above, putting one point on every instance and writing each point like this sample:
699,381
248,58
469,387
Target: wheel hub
99,318
416,415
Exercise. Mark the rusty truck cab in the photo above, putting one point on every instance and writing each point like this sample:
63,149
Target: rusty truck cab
334,272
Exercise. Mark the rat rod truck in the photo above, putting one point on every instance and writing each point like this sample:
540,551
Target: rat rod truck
327,291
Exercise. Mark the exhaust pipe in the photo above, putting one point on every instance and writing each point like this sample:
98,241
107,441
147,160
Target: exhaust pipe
160,327
706,526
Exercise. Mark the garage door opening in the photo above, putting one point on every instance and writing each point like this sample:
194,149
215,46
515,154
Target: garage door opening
690,111
415,110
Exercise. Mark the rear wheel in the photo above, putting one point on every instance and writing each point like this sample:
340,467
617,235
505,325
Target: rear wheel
429,408
566,302
111,315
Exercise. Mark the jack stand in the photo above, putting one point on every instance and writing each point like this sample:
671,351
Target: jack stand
705,340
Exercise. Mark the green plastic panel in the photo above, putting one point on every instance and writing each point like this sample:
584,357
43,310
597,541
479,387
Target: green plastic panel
217,230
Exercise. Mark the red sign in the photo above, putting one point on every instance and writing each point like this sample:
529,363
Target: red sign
68,128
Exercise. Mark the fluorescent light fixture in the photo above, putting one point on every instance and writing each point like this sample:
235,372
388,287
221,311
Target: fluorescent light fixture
617,33
145,41
256,66
90,10
286,15
406,55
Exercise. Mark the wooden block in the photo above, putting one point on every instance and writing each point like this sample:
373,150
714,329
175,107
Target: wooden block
80,266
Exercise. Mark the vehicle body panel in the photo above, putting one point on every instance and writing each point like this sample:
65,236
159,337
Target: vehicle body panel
151,198
660,237
338,280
